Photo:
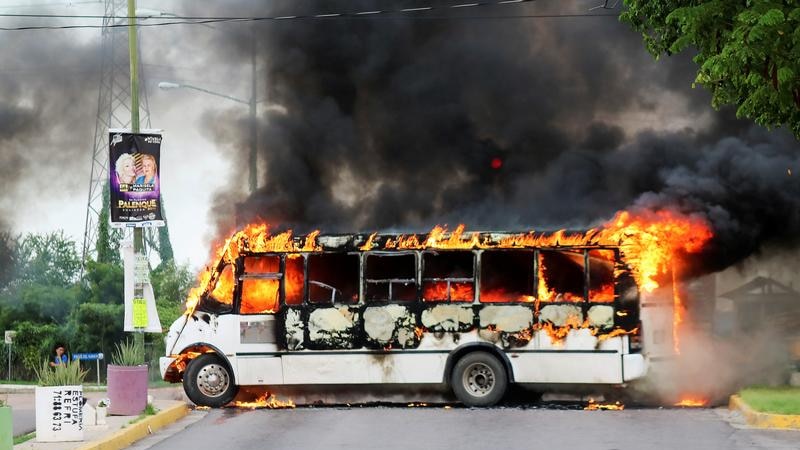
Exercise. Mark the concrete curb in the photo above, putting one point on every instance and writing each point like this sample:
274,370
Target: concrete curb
29,388
132,433
763,420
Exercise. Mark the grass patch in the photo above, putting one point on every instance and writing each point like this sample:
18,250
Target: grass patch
24,438
774,400
149,410
21,382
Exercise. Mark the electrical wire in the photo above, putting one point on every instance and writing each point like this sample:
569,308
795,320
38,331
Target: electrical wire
417,13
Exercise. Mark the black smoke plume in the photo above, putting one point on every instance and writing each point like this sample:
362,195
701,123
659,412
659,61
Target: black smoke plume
500,123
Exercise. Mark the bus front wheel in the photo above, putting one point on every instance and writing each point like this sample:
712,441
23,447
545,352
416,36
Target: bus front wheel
479,379
209,382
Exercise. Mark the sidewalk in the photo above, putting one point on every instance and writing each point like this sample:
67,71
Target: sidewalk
117,433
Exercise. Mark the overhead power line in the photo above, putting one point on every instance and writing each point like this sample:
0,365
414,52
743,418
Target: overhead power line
417,13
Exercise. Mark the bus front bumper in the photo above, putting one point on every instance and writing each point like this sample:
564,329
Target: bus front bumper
167,364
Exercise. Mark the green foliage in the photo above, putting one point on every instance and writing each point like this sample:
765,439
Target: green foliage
7,256
107,245
748,53
128,353
103,283
165,246
171,284
35,342
48,259
69,374
98,326
42,297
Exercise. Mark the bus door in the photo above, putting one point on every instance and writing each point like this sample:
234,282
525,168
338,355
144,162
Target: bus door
259,302
257,357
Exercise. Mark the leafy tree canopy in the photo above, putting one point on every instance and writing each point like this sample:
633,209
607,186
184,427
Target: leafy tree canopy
49,259
748,52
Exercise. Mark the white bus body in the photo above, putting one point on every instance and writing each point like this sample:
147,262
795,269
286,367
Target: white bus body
477,348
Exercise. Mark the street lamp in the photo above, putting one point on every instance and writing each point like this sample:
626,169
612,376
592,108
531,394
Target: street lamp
168,85
151,13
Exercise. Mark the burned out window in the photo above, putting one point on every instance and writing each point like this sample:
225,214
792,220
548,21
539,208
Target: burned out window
260,285
220,299
262,264
390,277
294,281
601,275
507,276
448,276
561,276
333,277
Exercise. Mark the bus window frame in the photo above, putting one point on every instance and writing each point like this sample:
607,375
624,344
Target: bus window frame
449,300
280,275
366,281
534,278
307,282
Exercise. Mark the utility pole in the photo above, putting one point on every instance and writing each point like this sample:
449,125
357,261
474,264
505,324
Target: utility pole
138,236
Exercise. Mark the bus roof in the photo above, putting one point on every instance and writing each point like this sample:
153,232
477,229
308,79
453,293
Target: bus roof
437,239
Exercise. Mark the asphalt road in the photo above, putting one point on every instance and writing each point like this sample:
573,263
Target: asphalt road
404,428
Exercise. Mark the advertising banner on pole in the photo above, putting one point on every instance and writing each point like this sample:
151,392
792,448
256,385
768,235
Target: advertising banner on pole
134,178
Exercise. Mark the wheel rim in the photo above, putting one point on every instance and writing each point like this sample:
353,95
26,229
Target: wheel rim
478,379
213,380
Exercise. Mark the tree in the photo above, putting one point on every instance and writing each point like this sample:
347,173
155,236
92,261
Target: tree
748,53
7,245
49,259
171,284
35,342
107,244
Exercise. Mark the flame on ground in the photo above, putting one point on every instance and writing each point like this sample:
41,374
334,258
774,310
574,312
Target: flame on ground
594,406
266,400
692,402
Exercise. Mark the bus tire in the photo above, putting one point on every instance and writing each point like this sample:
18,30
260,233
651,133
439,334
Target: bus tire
479,379
208,381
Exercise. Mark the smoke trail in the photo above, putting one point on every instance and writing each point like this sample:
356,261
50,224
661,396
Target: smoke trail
396,124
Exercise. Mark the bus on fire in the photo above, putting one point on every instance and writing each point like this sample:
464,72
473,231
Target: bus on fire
474,311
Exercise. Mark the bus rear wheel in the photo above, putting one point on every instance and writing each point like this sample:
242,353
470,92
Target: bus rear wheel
479,379
208,381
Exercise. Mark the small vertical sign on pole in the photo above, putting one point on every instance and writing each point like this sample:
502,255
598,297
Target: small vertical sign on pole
9,340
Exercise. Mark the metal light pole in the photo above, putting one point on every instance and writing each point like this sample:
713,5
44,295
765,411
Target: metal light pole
138,235
253,130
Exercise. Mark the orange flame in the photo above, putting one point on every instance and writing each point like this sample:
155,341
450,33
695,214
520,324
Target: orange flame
253,238
594,406
266,400
438,291
689,401
649,242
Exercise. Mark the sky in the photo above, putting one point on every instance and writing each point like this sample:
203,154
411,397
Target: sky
394,123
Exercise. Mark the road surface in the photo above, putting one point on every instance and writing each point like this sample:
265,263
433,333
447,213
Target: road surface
404,428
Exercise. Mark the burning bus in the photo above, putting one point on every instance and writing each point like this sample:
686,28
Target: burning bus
476,311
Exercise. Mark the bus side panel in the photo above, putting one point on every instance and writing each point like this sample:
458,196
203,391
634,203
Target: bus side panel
361,368
258,369
565,367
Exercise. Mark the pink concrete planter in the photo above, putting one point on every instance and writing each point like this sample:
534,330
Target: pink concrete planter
127,390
